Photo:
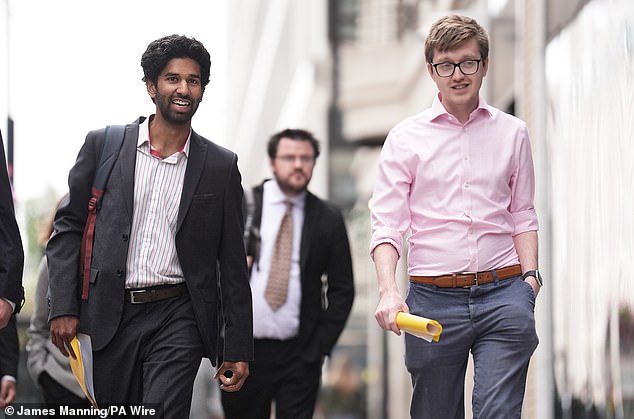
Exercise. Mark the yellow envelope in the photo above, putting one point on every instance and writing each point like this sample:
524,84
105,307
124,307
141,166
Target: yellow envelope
421,327
82,365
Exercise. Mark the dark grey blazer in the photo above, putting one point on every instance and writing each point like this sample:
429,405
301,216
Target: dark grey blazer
208,242
324,253
9,349
11,252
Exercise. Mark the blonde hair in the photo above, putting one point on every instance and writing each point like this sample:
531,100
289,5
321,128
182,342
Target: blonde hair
450,32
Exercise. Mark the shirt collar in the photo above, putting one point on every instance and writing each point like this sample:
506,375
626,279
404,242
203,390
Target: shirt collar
144,136
274,195
438,109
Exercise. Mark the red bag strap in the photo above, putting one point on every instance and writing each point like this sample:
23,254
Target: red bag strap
87,241
113,139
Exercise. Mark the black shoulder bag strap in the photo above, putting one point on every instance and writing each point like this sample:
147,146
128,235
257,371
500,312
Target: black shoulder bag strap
249,210
113,139
253,219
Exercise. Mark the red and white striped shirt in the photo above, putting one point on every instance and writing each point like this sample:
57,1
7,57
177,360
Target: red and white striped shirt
158,185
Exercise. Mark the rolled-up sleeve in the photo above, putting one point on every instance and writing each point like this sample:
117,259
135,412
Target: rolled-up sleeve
522,206
390,214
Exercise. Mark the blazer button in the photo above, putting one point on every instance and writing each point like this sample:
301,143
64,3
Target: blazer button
120,273
125,237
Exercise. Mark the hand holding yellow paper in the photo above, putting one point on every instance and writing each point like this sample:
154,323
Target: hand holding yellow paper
421,327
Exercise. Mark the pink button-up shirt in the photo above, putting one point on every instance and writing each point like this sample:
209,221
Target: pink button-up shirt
463,191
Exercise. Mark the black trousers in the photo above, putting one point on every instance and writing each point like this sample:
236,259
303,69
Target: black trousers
152,359
278,375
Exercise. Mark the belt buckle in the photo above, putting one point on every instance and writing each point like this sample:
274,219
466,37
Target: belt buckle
133,294
475,278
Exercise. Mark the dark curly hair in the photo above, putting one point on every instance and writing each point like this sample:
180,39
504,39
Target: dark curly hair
292,134
159,52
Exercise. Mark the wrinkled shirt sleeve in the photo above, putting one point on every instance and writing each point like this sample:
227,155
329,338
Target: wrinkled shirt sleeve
390,214
522,185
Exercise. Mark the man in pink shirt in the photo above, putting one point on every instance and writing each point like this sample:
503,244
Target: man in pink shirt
459,177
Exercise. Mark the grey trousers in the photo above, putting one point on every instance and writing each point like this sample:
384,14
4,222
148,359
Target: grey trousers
496,323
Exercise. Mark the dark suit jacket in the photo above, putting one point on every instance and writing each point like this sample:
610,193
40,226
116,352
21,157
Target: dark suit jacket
9,349
208,243
11,252
324,252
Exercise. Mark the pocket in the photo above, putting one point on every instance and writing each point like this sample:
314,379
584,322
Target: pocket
531,294
94,273
206,197
201,205
530,288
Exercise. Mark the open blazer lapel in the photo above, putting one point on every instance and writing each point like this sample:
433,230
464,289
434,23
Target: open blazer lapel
127,161
195,164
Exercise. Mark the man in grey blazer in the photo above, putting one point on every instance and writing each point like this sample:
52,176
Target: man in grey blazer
168,266
293,333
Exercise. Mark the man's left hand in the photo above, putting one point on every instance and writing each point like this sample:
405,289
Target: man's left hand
237,373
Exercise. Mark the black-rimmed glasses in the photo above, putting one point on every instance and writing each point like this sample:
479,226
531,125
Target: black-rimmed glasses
446,69
291,159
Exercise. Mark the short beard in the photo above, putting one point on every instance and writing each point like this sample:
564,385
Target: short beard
289,189
163,105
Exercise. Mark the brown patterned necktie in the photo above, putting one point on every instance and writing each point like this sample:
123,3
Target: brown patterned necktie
277,286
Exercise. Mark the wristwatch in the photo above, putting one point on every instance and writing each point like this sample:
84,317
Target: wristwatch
534,274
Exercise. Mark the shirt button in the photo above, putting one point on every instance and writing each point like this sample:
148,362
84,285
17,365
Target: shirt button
466,185
125,237
120,273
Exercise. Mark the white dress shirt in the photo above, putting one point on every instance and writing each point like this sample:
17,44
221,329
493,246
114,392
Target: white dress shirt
284,322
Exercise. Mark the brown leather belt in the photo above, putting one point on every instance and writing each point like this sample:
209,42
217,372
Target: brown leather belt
468,279
152,294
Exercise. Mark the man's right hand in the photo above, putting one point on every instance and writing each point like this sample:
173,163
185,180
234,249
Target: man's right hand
7,392
63,330
390,304
390,300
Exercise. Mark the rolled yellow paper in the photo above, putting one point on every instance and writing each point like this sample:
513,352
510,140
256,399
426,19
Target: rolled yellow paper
421,327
